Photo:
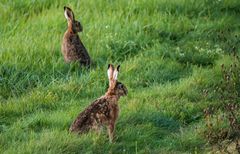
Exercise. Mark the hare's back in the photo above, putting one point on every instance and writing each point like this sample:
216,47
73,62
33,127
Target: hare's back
89,117
69,48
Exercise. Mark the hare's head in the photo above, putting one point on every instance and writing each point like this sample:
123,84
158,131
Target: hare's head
115,87
73,24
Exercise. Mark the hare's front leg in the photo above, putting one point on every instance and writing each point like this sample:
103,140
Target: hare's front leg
111,127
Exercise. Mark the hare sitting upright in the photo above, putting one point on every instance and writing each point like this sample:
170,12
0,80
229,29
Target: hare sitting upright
104,110
72,47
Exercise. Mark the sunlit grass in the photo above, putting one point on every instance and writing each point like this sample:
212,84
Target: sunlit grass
169,51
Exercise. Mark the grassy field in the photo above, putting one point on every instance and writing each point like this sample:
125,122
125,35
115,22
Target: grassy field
170,53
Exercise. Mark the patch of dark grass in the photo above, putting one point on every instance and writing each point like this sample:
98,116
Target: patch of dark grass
18,80
192,9
156,119
170,34
14,81
26,8
123,50
153,71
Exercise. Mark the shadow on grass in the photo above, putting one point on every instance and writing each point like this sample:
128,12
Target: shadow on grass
156,119
143,130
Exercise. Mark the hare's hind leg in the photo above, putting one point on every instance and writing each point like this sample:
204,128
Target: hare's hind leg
111,127
83,63
97,128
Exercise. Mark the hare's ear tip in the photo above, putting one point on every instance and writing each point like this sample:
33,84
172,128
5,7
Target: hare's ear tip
64,7
109,65
118,67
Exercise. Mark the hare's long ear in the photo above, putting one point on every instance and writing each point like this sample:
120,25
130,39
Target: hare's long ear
115,73
110,72
68,13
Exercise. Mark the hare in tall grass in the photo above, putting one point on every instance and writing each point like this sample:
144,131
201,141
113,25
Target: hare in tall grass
103,111
72,46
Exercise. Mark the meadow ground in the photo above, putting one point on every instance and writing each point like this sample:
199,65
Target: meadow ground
170,53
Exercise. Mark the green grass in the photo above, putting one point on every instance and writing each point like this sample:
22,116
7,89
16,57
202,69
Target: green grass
170,52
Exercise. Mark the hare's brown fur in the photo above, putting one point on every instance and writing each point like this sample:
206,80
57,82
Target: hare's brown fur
72,46
103,111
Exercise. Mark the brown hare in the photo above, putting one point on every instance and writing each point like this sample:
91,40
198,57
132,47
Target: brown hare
104,110
72,46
